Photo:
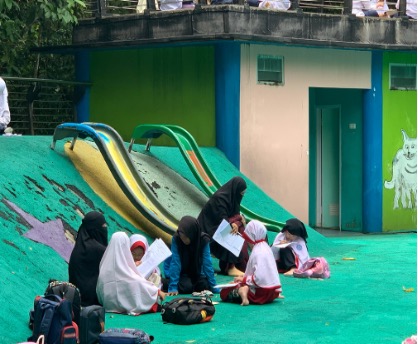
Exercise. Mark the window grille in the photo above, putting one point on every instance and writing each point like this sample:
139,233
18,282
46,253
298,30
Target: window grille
270,70
402,77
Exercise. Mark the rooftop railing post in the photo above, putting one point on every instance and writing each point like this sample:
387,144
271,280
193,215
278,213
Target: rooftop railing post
101,6
294,5
348,6
402,8
151,5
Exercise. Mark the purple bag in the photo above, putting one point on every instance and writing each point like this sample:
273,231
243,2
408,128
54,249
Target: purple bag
313,268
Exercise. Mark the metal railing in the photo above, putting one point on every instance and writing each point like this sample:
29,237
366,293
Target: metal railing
37,106
106,8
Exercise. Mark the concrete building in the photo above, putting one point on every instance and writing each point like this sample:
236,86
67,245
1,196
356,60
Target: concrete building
313,107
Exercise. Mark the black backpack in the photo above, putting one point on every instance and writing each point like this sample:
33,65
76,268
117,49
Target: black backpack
68,291
52,317
187,311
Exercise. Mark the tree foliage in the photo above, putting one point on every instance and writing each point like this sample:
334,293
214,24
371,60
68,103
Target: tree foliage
25,24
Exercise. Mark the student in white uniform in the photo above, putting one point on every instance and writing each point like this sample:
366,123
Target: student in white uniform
260,283
296,253
4,107
370,8
120,287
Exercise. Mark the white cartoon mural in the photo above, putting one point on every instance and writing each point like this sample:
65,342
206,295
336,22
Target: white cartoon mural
404,174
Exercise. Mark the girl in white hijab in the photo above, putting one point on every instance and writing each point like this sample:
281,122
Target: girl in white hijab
120,288
260,283
139,248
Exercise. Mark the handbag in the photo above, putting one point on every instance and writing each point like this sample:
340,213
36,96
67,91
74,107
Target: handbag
187,311
313,268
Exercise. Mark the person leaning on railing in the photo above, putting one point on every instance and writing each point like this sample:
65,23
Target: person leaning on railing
169,5
370,8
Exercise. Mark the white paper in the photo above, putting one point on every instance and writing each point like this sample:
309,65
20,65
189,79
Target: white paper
157,252
232,242
220,286
282,245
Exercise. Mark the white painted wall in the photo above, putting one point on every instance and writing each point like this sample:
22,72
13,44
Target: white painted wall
274,125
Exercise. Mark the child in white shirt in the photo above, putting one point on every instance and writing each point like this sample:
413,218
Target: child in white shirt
289,247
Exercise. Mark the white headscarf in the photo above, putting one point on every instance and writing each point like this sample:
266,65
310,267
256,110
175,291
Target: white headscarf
4,106
134,238
261,268
120,288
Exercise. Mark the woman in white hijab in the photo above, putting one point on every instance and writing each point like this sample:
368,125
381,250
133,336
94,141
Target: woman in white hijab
120,288
260,283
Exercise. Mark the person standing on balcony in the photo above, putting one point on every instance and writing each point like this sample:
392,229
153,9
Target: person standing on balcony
4,108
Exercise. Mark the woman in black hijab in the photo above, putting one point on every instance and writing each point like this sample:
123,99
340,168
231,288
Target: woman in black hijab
190,268
90,245
225,204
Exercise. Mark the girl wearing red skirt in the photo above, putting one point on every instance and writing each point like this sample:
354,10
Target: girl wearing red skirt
260,283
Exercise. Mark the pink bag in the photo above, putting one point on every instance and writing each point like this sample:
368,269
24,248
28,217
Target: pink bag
313,268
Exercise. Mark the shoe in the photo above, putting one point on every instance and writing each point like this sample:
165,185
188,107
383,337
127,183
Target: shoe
203,293
8,130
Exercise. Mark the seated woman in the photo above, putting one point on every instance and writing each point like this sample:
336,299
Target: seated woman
295,254
189,269
90,245
260,283
139,246
120,287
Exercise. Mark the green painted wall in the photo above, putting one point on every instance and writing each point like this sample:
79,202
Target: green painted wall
172,85
350,102
399,112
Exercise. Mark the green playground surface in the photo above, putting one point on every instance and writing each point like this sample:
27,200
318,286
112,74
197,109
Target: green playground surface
370,298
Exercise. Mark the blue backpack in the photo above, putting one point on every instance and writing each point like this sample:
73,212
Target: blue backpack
53,319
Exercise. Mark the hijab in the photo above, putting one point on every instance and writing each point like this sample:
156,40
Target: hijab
261,268
120,287
90,245
223,204
191,256
138,240
296,227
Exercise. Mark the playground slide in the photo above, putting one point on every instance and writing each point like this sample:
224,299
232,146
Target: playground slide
191,153
122,168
